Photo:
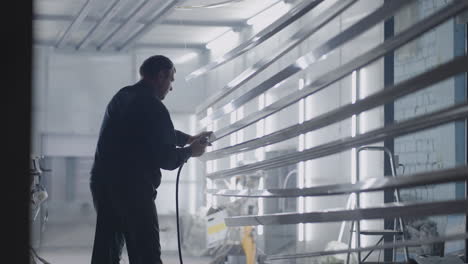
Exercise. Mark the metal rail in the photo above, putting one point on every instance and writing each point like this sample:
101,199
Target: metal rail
390,93
449,114
337,74
408,243
313,26
385,211
303,62
368,185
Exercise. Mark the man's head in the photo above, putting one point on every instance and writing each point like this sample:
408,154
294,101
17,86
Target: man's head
158,71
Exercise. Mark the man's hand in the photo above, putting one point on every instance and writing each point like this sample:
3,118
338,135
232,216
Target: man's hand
204,134
198,148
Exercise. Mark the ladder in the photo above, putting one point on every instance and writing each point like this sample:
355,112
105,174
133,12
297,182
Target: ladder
355,225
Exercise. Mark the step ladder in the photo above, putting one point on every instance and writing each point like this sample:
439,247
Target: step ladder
355,229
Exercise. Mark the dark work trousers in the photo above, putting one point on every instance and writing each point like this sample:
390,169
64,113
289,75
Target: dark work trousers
131,219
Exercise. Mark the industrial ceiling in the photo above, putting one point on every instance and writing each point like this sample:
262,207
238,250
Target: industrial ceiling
121,25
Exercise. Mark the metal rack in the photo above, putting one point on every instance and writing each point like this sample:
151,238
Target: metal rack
390,93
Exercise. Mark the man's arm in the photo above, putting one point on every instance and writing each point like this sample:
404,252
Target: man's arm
181,138
162,138
170,158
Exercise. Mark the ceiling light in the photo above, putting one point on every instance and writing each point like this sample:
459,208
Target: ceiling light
184,58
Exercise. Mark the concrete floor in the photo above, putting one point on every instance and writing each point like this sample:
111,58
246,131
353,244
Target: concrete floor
83,256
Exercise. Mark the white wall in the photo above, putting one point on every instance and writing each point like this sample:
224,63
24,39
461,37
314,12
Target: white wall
71,92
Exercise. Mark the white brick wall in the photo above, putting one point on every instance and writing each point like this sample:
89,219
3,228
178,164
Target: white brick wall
434,148
427,150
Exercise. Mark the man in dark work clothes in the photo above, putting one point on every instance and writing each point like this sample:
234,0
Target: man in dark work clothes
136,140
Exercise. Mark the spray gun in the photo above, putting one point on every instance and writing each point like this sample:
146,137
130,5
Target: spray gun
208,139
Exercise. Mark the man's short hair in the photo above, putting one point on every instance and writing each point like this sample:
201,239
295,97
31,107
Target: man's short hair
155,64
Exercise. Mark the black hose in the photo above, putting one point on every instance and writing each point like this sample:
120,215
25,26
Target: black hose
177,214
203,141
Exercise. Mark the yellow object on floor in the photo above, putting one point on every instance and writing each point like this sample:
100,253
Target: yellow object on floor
248,244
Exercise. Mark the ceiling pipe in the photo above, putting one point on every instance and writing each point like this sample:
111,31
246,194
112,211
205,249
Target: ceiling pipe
132,19
174,45
75,24
169,22
111,12
156,19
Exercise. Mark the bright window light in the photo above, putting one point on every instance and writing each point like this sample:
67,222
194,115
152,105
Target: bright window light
185,58
268,16
354,129
224,40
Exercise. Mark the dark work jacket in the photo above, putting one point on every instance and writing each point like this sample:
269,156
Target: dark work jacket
136,140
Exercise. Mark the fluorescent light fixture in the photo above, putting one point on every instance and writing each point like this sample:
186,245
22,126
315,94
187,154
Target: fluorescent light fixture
301,111
301,205
226,39
300,181
268,15
353,87
353,126
301,144
185,58
260,205
353,165
300,232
